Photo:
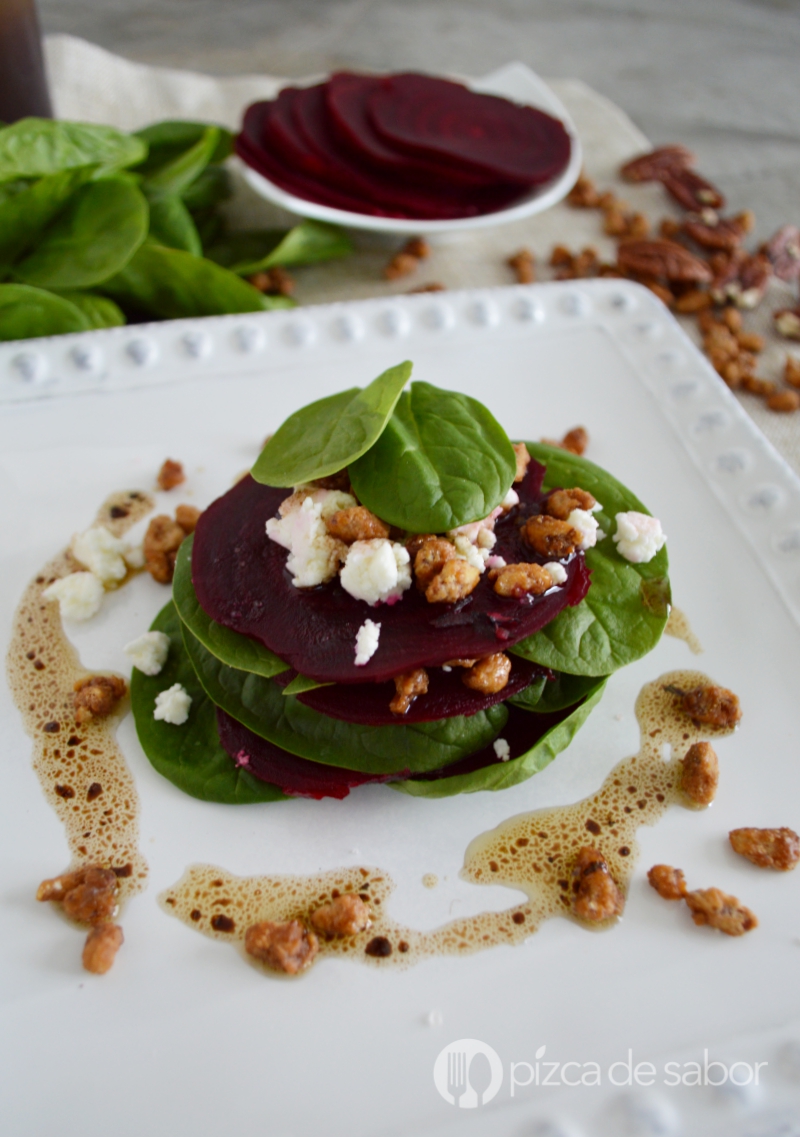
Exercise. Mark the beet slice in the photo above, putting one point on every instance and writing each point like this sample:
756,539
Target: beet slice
446,697
426,116
241,581
299,777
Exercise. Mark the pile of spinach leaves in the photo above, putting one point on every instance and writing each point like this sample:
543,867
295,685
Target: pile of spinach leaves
99,228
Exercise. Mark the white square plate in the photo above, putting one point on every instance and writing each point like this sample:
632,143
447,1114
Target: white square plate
184,1038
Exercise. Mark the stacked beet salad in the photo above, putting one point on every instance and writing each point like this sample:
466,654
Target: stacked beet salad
406,146
396,593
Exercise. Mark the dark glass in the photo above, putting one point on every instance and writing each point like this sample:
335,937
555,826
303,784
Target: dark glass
23,84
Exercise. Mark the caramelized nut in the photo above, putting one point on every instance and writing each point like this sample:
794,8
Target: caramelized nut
454,581
101,947
170,475
287,947
712,907
667,881
356,524
596,894
700,773
561,503
161,543
768,848
408,685
575,441
550,537
521,580
714,706
524,266
489,675
96,696
187,517
430,558
345,916
523,460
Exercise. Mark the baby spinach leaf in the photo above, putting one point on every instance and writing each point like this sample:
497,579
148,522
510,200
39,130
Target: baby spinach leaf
244,246
302,683
166,141
612,626
34,147
530,698
228,646
501,775
26,214
98,310
170,284
328,435
177,175
208,190
259,704
171,224
29,312
563,691
190,756
307,243
102,226
443,460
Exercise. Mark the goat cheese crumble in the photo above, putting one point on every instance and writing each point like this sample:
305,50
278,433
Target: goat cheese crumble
502,749
79,595
556,572
173,705
586,525
314,556
638,537
377,571
102,553
367,638
149,652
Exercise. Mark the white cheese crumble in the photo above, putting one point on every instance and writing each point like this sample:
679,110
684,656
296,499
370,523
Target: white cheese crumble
314,556
502,749
638,537
473,529
149,652
79,595
172,705
376,571
472,554
556,572
587,526
367,638
486,539
134,557
510,500
102,553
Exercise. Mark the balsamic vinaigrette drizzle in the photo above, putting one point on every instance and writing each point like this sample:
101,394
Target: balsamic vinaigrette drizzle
81,769
532,852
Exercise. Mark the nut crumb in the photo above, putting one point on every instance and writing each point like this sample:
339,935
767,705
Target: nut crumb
170,475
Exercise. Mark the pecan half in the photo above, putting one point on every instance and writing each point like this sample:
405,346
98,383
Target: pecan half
660,258
713,232
690,189
782,251
650,167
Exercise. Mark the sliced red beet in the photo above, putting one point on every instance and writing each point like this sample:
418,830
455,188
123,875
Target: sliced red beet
446,697
241,581
299,777
426,116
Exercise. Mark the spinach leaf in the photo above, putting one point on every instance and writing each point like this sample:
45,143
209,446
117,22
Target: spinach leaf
29,312
244,246
616,623
190,756
228,646
95,236
530,698
171,224
259,704
170,284
443,460
177,175
25,215
208,190
558,693
501,775
302,683
307,243
328,435
98,310
34,147
166,141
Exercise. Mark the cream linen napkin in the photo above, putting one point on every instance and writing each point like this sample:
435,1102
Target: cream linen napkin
93,85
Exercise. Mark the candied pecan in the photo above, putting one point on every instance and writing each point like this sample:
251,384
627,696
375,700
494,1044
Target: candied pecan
550,537
667,881
695,300
101,947
583,194
489,675
561,503
356,524
524,265
288,947
713,232
430,558
408,685
460,663
187,517
417,247
782,251
752,277
791,371
521,580
784,401
345,916
95,696
272,282
170,475
523,460
768,848
161,543
649,167
596,896
660,258
714,706
669,228
689,189
787,322
575,441
453,582
715,908
88,894
700,773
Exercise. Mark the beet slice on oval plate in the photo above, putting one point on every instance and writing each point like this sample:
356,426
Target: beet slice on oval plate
241,581
299,777
425,116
